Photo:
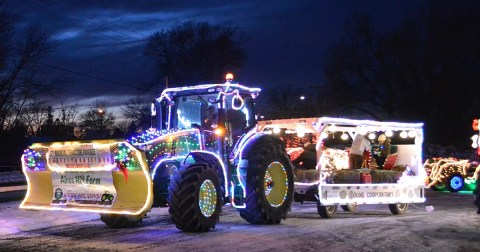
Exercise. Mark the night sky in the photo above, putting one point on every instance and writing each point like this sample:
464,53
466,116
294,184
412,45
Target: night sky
99,44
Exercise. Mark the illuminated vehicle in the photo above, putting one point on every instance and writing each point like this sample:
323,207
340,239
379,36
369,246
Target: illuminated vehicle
204,151
337,180
450,174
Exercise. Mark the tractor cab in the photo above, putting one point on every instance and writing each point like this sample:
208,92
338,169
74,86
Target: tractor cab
223,112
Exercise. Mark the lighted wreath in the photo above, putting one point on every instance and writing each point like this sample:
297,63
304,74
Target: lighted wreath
31,159
124,159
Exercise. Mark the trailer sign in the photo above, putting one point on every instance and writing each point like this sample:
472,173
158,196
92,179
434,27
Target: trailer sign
83,156
371,193
83,188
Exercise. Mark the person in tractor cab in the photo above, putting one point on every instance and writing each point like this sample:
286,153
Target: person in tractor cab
307,159
236,123
210,118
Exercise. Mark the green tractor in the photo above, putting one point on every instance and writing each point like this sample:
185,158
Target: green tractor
204,151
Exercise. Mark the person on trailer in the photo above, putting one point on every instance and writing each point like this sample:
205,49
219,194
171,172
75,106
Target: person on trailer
307,159
383,150
359,145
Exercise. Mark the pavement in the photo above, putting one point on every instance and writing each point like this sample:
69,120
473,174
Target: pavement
14,220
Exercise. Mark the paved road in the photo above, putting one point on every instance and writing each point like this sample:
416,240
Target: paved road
12,193
453,225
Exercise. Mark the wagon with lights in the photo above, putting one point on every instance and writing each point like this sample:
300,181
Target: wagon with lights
338,178
204,150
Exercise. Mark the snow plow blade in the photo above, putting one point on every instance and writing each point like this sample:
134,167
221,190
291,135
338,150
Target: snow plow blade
104,176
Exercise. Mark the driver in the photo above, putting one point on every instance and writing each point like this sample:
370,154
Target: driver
210,118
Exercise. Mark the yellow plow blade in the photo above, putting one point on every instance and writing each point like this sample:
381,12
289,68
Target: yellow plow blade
106,176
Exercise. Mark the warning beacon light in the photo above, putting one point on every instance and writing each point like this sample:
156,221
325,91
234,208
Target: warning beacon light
229,77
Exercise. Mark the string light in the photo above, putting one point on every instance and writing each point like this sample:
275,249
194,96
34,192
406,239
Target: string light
276,130
411,134
474,141
323,135
300,131
388,133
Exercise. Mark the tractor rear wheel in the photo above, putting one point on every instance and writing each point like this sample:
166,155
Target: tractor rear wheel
269,183
195,198
121,220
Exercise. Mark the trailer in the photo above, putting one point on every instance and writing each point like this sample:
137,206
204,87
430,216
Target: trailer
396,179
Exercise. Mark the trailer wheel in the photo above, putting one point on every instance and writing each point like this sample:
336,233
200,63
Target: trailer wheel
121,220
399,208
326,211
455,183
269,191
195,198
351,207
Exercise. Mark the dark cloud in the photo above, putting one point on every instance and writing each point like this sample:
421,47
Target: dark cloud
100,43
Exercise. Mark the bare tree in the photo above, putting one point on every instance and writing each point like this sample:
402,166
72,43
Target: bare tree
195,52
426,69
35,114
18,62
97,121
286,103
138,111
68,114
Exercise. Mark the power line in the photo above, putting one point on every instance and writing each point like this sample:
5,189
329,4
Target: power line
86,75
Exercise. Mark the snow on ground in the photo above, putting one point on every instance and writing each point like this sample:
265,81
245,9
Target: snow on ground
11,177
14,220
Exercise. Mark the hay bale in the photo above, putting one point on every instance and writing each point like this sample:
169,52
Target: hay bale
385,176
306,176
347,177
400,168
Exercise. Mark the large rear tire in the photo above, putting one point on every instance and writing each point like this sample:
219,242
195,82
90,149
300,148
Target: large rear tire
121,220
269,182
195,198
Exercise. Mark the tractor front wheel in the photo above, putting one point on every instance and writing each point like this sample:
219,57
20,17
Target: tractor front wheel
195,198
